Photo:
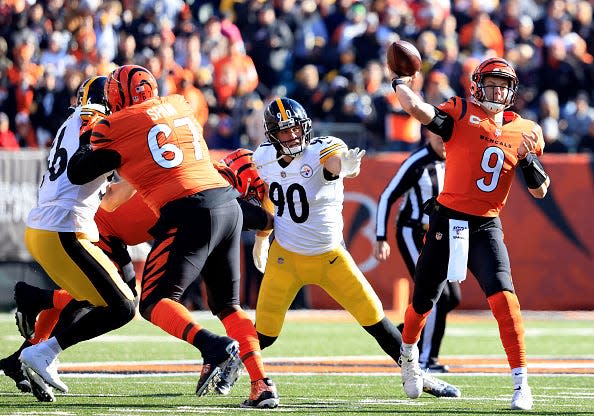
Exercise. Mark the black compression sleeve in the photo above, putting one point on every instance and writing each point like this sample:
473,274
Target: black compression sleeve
442,124
533,171
86,164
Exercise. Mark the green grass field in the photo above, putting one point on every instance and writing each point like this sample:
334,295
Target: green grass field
560,345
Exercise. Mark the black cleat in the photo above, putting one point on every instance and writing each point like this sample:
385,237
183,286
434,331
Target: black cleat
39,388
439,388
12,368
212,368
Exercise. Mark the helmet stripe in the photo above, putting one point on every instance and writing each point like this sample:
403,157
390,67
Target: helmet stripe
281,108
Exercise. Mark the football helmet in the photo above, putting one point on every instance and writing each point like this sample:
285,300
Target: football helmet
285,113
129,85
91,97
494,67
248,181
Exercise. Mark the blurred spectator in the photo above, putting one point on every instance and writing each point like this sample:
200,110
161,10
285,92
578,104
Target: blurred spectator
307,90
311,36
403,132
430,54
338,44
194,96
367,45
234,74
481,34
437,88
272,45
224,135
586,143
105,31
25,133
583,24
552,136
577,117
557,74
354,26
55,58
8,140
451,66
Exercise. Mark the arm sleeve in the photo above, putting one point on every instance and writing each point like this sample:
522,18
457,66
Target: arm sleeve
442,124
533,171
86,164
404,179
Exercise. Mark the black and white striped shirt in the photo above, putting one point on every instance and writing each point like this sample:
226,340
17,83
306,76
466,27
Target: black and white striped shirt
419,178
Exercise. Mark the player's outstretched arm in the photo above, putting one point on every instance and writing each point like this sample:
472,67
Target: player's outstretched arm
411,102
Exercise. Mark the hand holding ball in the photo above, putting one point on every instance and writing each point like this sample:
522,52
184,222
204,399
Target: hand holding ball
403,58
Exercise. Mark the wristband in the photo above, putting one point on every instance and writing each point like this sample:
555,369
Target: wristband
396,82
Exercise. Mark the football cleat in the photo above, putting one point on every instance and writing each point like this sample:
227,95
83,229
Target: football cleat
39,388
263,395
229,375
412,375
522,398
12,368
438,388
213,368
42,361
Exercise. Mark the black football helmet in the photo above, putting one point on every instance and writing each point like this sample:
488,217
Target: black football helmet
91,95
285,113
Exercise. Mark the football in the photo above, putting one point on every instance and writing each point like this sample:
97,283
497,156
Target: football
403,58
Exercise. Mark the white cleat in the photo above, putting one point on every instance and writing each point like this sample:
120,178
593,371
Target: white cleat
39,359
522,398
412,375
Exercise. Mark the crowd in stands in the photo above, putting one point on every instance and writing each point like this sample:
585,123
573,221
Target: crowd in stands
229,58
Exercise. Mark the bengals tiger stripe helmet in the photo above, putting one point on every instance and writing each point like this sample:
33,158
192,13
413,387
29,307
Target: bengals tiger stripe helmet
249,183
129,85
494,67
226,172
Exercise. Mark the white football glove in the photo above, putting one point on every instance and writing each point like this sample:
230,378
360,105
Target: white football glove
260,252
350,161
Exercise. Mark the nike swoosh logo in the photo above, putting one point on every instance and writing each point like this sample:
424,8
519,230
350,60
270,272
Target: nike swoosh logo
333,260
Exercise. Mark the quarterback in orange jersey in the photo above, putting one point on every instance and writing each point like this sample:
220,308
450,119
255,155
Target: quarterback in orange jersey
156,145
485,145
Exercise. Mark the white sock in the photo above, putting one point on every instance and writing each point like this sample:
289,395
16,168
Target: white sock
53,345
406,349
520,377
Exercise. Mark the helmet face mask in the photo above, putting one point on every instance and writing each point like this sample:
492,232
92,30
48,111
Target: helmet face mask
487,87
91,95
129,85
287,115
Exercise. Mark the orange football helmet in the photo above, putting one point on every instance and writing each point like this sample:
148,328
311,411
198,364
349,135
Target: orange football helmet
494,67
249,183
129,85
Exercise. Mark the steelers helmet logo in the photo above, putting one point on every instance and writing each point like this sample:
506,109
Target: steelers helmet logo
306,171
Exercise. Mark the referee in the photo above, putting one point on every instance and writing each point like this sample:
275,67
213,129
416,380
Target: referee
419,179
